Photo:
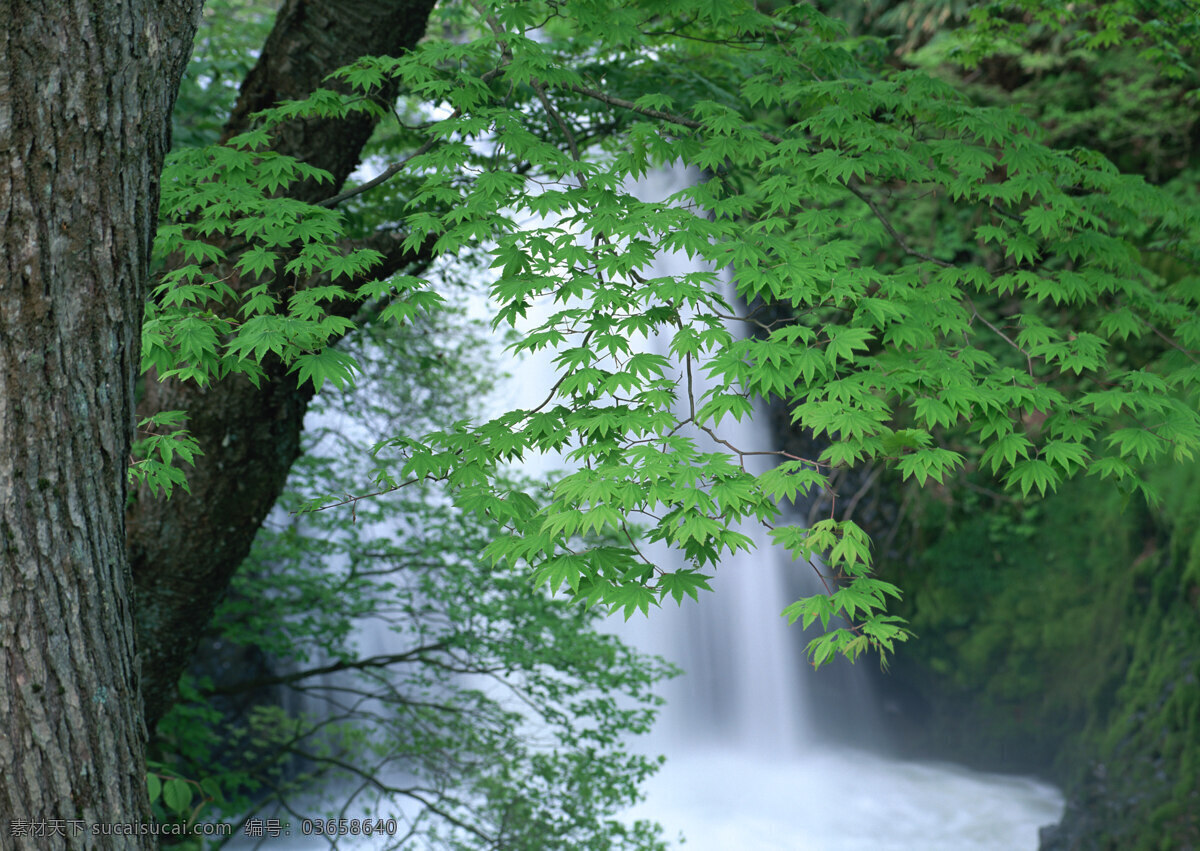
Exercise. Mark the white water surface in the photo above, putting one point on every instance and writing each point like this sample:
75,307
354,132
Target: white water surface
842,800
751,764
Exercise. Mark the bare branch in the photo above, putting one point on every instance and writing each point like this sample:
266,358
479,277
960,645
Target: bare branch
384,176
414,655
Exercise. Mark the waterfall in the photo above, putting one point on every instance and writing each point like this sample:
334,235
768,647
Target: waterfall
740,689
750,764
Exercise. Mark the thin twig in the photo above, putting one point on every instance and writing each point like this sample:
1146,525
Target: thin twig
350,500
1001,334
388,173
883,219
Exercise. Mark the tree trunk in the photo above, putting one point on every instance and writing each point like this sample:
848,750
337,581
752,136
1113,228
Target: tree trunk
185,549
86,91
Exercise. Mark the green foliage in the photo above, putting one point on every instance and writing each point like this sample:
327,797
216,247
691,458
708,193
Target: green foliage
1063,626
229,192
1028,332
797,153
154,454
1132,99
495,716
178,802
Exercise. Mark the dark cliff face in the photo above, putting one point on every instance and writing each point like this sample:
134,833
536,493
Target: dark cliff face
1060,638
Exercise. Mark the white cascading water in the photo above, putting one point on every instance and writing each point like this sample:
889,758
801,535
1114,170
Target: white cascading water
749,764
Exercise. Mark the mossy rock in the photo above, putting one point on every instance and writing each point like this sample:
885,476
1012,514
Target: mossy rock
1062,639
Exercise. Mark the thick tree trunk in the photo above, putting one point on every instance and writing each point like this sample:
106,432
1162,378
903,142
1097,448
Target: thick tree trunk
185,549
86,90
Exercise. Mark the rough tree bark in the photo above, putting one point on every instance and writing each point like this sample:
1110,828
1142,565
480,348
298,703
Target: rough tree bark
185,549
86,91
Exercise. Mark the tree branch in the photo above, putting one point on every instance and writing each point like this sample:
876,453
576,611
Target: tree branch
355,665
